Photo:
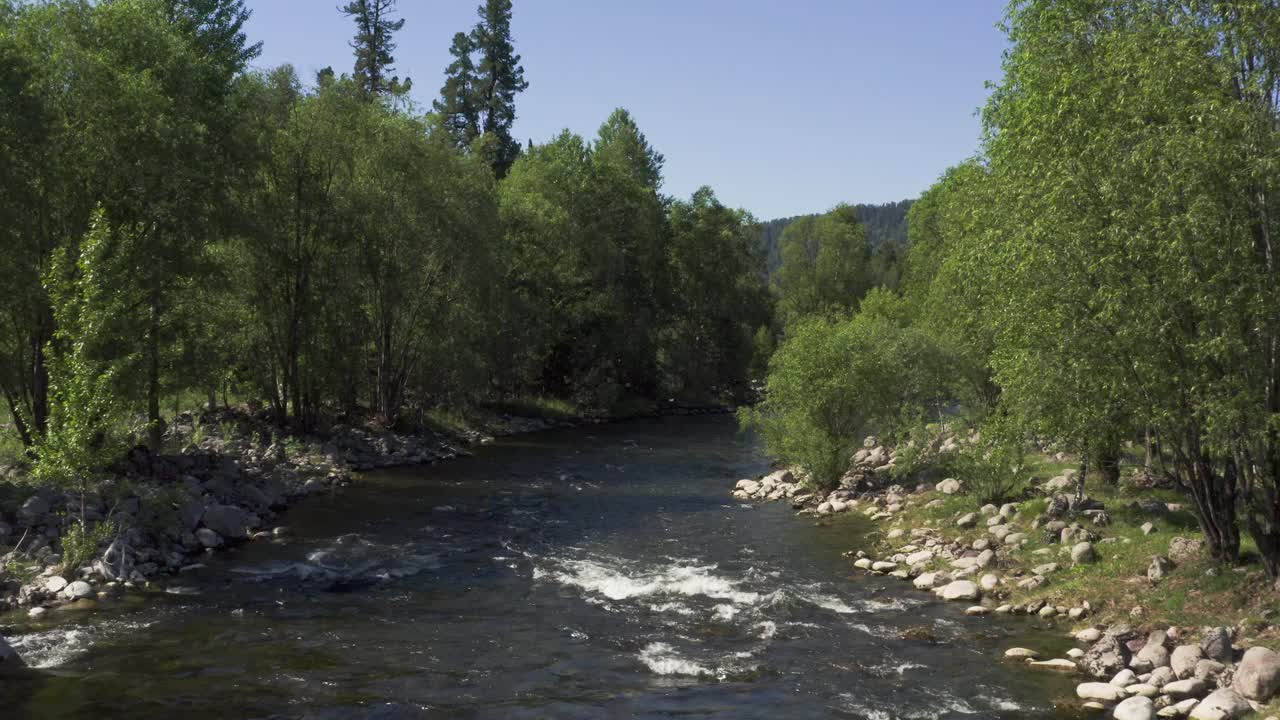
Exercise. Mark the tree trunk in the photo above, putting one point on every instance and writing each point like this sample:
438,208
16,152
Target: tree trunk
1148,446
154,422
1108,462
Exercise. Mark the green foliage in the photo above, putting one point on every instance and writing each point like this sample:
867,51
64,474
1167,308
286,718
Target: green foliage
80,544
374,46
825,265
830,382
994,470
92,298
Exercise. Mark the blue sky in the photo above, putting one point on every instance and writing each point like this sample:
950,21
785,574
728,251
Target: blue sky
782,106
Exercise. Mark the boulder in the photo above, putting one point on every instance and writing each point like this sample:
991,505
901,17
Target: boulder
1089,635
967,520
1018,653
1106,657
1152,655
929,580
1184,659
1181,548
228,521
950,486
1135,708
208,538
9,657
1104,692
55,584
959,590
78,590
1217,645
1180,689
1257,676
1124,678
1223,704
1159,568
1162,676
1083,553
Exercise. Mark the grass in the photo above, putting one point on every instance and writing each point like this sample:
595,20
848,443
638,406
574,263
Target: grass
1197,593
537,406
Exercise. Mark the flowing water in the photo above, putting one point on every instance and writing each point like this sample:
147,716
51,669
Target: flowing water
590,573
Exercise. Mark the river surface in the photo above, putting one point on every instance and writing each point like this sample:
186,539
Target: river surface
602,572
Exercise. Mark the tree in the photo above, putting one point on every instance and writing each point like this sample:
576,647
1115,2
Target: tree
374,46
500,77
1126,142
719,299
825,263
458,107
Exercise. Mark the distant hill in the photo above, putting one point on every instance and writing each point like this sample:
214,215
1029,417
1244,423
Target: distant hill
884,222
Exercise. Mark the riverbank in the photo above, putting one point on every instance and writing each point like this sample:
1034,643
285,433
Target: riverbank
228,477
1120,572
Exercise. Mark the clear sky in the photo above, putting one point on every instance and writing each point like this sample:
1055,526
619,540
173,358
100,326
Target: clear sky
782,106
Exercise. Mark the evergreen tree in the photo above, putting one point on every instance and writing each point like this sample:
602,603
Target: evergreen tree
457,105
374,46
500,76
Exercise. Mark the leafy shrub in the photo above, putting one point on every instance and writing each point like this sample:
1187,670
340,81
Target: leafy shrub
831,381
79,544
992,472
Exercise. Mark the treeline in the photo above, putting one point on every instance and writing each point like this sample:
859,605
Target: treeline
1103,272
174,222
886,224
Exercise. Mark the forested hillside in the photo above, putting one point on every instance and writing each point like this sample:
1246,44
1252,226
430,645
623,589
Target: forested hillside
177,225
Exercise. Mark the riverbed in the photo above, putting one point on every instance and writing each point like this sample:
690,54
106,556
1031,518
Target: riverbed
590,573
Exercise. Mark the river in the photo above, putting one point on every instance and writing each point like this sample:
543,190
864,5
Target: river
602,572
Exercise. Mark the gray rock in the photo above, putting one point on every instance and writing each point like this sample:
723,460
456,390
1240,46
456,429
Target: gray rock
1257,676
78,590
228,521
1184,659
1217,645
1223,704
1152,655
1162,676
9,658
950,486
1181,548
1135,708
1083,553
55,584
1106,657
1212,673
968,520
1180,689
1104,692
959,590
208,538
1160,567
1124,678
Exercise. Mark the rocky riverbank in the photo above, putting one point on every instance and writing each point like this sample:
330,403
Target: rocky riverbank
229,481
1009,559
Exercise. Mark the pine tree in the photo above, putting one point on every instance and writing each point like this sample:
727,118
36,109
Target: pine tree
500,77
374,46
457,105
478,102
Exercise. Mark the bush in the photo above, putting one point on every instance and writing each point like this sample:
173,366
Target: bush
991,473
79,544
831,381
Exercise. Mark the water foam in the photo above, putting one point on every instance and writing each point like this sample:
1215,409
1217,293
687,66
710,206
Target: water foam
58,646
